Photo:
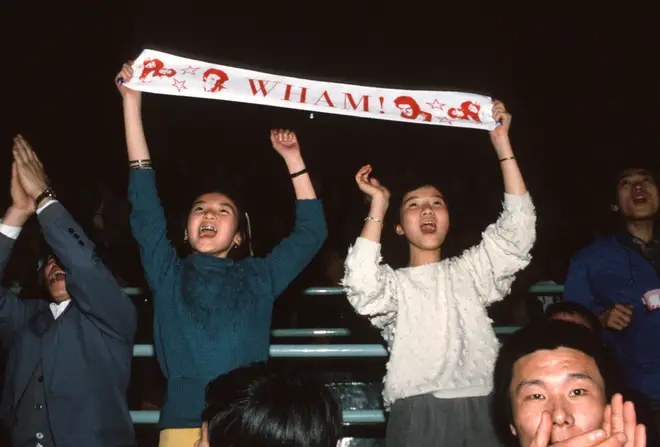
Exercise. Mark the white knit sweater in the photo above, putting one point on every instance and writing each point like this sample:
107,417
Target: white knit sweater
433,316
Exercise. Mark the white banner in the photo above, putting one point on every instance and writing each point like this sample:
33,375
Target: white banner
158,72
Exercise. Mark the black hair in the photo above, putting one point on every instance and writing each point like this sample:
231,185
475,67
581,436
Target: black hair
267,406
569,307
411,184
543,335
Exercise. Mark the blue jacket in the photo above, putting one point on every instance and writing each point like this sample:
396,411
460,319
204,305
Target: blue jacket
610,272
211,315
85,354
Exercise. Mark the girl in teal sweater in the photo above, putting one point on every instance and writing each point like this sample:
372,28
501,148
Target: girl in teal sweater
211,314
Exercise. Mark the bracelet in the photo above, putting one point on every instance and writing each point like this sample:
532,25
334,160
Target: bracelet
139,164
301,172
507,158
375,219
48,192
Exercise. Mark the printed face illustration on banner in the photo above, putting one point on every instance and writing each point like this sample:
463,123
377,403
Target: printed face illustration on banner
410,109
162,73
155,68
468,111
214,79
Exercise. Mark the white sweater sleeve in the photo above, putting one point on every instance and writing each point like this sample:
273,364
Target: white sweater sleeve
370,286
503,251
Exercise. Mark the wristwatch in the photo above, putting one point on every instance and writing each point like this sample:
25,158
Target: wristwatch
48,192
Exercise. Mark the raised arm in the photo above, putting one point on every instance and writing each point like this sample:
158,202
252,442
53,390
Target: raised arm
136,143
513,179
148,223
370,286
286,144
89,282
506,244
14,312
295,252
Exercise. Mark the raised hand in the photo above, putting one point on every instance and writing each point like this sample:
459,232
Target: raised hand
285,143
621,417
21,201
502,116
125,75
370,185
29,169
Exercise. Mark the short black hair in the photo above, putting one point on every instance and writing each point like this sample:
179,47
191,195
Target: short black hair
410,184
570,307
263,405
632,170
550,335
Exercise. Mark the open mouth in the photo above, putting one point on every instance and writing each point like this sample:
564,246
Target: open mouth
207,231
639,198
57,275
428,227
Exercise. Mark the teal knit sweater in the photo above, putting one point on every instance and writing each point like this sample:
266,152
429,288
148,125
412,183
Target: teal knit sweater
211,315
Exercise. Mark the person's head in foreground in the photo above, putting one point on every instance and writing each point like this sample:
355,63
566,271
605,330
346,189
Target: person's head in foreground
574,313
551,385
266,406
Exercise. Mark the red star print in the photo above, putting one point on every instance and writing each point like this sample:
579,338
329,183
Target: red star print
436,105
190,70
179,85
442,119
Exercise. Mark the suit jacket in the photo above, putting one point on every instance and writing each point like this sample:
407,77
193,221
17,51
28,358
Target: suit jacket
86,353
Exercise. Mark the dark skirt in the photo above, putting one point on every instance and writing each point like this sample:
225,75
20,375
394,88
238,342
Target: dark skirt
427,421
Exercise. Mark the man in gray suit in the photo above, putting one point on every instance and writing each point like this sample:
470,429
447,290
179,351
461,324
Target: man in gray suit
69,357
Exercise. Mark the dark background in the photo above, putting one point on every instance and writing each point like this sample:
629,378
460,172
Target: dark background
584,97
584,94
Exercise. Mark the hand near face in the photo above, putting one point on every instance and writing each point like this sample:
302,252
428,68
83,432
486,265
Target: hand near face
621,417
595,438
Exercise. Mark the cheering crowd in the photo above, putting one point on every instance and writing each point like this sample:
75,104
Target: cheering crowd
585,375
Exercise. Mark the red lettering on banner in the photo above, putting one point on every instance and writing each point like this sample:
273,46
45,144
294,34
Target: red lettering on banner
326,97
263,86
303,93
348,97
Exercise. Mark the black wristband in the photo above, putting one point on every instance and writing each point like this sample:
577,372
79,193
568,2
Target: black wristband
48,192
301,172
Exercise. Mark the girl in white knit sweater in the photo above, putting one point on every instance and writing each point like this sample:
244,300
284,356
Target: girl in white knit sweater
433,312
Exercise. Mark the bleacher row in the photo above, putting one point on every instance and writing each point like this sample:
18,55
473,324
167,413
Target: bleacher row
351,416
